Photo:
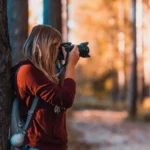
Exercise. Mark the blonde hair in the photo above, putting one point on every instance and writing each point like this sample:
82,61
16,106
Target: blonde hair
41,48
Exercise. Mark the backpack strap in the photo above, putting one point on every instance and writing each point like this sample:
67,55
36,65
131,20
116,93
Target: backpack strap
31,112
32,108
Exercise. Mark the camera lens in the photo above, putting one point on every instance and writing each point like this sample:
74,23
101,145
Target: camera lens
84,50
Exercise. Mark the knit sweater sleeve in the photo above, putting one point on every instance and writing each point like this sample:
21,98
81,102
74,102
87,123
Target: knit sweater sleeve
31,79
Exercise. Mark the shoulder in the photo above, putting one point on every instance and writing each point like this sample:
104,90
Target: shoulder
27,69
24,67
28,72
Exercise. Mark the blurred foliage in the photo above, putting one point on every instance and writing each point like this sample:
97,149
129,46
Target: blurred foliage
105,75
102,86
100,25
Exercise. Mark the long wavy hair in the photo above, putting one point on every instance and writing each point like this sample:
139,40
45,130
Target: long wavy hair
41,48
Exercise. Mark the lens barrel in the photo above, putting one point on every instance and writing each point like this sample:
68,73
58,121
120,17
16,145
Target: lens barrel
83,50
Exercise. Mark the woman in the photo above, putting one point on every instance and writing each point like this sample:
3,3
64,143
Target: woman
37,76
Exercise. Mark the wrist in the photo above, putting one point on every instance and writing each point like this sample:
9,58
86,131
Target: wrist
70,71
70,66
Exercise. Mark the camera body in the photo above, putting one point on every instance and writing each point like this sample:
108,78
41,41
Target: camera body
83,50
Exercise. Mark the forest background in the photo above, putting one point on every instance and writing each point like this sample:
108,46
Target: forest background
116,76
103,80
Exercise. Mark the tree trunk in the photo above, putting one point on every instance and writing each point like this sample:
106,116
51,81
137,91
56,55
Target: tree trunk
121,48
143,80
5,87
132,93
114,86
64,20
52,14
18,27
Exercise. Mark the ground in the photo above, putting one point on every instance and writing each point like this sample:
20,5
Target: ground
106,130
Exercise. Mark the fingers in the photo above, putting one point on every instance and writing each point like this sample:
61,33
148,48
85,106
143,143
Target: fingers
73,56
75,49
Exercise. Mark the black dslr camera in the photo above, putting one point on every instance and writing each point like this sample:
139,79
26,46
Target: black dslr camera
83,50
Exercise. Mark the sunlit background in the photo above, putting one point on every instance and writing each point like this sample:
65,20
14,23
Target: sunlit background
107,27
35,13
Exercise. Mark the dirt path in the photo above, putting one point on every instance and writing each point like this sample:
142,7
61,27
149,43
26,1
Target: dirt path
106,130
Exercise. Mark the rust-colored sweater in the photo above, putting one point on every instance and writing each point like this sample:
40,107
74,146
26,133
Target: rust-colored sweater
47,130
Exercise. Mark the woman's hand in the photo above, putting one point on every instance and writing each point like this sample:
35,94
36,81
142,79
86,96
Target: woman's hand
73,57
